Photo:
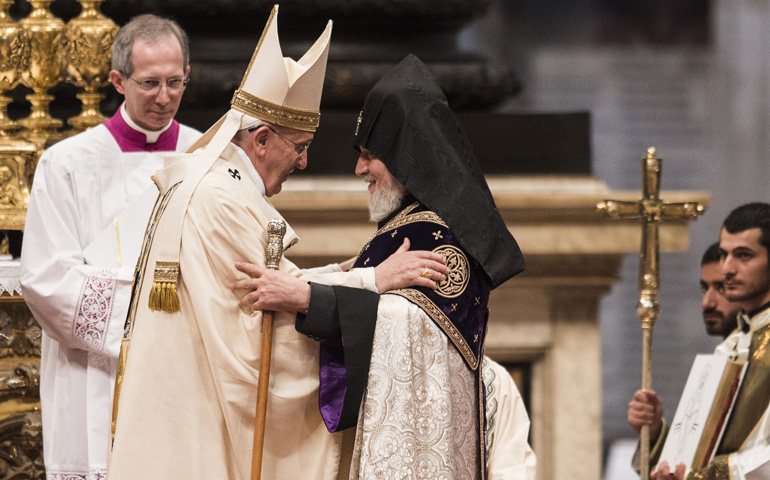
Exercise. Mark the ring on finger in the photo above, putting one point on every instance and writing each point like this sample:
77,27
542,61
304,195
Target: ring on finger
426,273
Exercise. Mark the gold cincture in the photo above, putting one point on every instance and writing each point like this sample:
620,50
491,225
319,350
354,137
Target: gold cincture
651,211
163,295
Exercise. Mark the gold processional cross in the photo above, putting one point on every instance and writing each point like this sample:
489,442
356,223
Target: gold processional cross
651,211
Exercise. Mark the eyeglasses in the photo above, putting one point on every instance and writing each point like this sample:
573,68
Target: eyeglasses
299,148
171,83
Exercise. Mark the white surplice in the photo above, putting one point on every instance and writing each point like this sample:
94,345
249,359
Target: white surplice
509,454
81,185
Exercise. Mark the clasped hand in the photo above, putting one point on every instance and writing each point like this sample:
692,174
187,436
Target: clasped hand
280,291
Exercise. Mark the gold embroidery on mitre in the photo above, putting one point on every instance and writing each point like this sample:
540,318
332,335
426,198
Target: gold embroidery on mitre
458,277
163,295
297,118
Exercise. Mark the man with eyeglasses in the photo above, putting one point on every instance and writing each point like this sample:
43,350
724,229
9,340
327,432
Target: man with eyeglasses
81,187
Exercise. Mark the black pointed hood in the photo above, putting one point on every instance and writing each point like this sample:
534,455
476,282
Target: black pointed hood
406,122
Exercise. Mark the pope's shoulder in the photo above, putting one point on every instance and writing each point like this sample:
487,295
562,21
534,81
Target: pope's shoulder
226,179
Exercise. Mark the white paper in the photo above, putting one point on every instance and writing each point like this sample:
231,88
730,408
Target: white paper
693,410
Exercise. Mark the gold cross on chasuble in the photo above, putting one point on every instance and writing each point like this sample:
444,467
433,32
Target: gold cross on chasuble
650,210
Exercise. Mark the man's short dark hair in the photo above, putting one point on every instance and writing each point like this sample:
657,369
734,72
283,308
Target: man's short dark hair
711,255
751,215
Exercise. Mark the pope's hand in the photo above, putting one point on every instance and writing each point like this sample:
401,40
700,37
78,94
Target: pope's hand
282,292
272,290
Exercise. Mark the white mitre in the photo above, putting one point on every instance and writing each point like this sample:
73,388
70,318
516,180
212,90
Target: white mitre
275,89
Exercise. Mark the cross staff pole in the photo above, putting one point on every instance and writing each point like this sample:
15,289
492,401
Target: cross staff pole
276,230
650,210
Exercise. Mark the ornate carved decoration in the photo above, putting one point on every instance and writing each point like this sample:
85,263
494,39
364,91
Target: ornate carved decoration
44,72
14,59
20,335
24,381
21,447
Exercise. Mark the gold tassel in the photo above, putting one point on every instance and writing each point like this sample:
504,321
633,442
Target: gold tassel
163,295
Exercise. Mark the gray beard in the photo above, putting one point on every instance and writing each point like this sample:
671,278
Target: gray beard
385,200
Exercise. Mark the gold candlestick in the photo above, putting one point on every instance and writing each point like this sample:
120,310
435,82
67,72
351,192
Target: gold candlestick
17,157
14,58
44,72
87,55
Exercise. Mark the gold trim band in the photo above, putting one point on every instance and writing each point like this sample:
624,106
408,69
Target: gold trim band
305,120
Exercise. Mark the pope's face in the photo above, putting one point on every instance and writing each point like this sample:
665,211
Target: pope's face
161,61
719,314
281,157
744,267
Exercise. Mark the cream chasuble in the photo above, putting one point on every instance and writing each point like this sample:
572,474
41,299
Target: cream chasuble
188,398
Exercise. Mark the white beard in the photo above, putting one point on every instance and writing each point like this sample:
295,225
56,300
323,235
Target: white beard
385,200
